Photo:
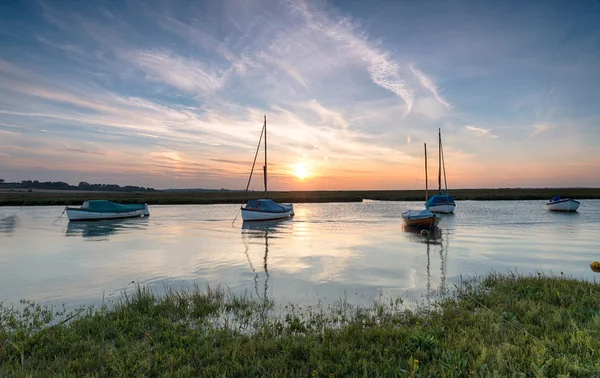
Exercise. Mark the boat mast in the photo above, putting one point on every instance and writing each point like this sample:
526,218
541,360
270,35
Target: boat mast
265,166
443,164
426,196
440,162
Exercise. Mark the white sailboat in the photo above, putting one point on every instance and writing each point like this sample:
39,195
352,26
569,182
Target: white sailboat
265,208
441,203
563,204
421,218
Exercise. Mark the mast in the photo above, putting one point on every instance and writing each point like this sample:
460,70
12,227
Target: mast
426,196
440,162
443,164
265,166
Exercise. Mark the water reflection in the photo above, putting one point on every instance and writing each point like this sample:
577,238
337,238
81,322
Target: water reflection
8,224
100,230
431,238
265,230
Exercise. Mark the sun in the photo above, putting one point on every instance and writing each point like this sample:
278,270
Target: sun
301,171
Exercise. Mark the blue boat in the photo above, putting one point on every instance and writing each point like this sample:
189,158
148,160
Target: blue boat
441,203
102,209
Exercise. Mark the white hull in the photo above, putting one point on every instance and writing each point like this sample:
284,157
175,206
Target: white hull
78,215
568,206
252,215
446,209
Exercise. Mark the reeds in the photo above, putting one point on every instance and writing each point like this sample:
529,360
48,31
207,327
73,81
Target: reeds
495,325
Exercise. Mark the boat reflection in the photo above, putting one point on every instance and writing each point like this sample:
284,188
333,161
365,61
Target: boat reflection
8,224
100,230
265,230
431,238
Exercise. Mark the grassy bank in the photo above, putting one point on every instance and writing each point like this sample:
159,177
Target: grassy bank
40,198
500,326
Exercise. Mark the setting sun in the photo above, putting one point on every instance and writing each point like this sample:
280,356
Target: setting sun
301,171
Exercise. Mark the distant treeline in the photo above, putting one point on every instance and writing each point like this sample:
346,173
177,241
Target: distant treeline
60,185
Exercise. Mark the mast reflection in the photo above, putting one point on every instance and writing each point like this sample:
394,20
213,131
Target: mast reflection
261,230
431,238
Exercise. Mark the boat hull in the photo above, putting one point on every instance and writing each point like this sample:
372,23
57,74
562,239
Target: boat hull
442,208
566,205
420,219
249,215
75,214
430,222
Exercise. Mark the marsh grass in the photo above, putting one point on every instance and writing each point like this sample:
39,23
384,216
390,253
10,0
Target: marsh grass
73,197
496,325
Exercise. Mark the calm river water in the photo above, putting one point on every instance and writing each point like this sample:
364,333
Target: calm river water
328,251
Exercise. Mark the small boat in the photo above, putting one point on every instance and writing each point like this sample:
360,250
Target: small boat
264,209
562,204
420,219
102,209
441,203
424,219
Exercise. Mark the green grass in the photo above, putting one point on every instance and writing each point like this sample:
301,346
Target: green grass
68,197
496,326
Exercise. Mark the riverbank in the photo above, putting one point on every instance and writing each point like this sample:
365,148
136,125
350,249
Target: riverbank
68,197
498,325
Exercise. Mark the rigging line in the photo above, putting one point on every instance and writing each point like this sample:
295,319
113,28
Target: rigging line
417,180
255,156
444,165
251,171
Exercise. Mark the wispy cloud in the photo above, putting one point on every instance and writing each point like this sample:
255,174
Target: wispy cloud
539,128
177,91
383,71
188,75
89,149
480,131
430,85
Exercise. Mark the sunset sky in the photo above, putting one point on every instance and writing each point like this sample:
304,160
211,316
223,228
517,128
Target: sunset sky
172,94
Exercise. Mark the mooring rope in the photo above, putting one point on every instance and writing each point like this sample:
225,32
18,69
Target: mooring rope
61,214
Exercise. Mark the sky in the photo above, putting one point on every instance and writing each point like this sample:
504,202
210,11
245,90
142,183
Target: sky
172,94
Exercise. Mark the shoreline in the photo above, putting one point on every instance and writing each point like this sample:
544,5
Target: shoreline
496,324
22,197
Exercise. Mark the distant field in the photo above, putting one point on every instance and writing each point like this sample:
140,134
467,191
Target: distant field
67,197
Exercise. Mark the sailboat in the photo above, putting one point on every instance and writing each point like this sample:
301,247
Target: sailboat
265,208
424,219
441,203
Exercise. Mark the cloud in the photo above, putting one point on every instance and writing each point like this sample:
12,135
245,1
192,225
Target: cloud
430,85
333,117
539,128
480,132
188,75
89,149
382,70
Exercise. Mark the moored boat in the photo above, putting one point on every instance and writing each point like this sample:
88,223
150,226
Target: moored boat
441,203
562,204
102,209
264,209
421,218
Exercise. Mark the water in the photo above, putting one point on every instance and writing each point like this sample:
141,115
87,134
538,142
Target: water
356,251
